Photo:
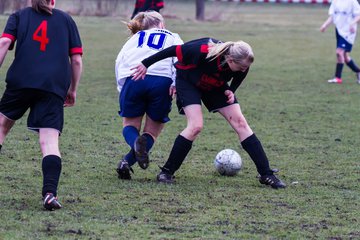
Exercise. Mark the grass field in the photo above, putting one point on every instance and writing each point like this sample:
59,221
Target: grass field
309,129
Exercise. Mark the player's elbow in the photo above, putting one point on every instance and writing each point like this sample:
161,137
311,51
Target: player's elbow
5,42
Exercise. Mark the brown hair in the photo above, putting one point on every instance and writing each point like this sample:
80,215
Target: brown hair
239,52
41,6
144,21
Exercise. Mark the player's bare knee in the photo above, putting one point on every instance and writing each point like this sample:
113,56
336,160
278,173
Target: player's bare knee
196,130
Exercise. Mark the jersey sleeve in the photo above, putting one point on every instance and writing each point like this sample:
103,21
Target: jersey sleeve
237,80
167,52
75,44
10,30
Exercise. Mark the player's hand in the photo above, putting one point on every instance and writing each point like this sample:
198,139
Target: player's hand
172,91
230,95
139,72
322,28
70,99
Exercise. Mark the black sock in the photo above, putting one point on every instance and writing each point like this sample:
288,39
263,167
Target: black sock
178,153
338,71
352,65
0,147
51,168
253,147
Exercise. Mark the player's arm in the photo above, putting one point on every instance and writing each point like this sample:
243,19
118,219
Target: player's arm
140,70
76,69
4,47
326,24
238,79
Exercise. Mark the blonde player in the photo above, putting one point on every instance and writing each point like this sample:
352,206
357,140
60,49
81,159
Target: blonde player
152,96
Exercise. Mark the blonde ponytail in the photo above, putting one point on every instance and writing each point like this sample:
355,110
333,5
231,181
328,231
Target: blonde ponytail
239,52
144,21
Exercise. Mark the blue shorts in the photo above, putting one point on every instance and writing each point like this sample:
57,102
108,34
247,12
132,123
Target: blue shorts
46,109
342,43
150,96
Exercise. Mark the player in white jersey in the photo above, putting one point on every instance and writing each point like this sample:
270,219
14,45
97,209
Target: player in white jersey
152,96
345,14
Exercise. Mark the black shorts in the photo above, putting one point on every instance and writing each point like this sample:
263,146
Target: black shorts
187,94
46,109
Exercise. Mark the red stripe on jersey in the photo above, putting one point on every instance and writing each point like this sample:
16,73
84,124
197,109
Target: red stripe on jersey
77,50
204,48
12,38
179,54
185,67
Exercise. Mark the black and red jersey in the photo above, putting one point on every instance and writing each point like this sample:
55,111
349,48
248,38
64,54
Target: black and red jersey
44,43
193,65
145,5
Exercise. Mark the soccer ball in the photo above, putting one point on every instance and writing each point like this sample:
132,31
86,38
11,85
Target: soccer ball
228,162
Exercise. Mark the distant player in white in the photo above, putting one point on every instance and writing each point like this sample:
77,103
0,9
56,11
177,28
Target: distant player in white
152,96
345,14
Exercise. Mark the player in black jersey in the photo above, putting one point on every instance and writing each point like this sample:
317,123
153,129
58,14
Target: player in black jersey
147,5
204,68
43,77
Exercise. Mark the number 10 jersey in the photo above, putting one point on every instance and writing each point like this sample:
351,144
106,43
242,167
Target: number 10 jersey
142,45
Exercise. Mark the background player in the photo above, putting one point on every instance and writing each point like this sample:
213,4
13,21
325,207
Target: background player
152,96
345,14
147,5
204,67
41,78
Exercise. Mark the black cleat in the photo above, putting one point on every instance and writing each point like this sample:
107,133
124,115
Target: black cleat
51,202
164,177
123,170
141,155
272,181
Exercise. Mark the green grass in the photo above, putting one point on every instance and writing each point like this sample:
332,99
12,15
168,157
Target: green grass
309,129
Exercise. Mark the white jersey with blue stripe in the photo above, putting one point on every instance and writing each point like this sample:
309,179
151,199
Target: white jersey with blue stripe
142,45
343,13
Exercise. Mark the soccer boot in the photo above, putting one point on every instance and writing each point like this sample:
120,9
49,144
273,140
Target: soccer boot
164,177
335,80
141,155
51,202
123,170
272,181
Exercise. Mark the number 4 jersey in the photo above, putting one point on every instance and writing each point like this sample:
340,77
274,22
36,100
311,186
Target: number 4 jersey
142,45
44,43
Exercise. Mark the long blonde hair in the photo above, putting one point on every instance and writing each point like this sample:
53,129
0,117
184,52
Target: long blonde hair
144,21
240,51
41,6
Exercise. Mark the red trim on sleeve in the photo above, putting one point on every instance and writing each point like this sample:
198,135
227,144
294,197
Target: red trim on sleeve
13,38
77,50
179,54
204,48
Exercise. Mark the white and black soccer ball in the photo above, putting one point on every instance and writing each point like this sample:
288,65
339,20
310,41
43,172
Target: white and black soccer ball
228,162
